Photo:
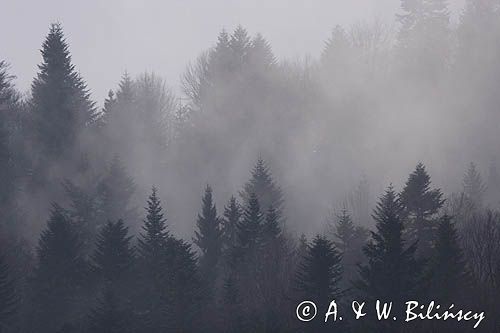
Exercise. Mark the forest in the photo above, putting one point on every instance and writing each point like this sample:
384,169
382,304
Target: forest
261,183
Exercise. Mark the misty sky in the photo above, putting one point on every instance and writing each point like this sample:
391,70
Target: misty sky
110,37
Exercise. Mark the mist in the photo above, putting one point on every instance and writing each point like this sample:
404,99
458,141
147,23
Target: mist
333,106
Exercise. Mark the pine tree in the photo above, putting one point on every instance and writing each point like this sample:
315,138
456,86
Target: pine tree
260,56
392,274
262,184
115,191
421,203
447,266
8,297
60,275
271,229
60,101
114,256
240,44
474,188
319,275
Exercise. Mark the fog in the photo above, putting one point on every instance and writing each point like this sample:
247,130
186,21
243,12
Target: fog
189,166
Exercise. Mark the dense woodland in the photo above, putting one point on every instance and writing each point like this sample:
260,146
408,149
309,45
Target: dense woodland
107,223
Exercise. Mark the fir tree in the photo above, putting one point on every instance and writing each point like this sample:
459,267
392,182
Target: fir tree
421,203
271,229
320,273
262,184
8,298
474,188
392,274
208,237
60,101
114,255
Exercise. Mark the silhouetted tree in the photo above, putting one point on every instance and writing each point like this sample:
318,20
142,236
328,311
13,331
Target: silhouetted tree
319,275
421,203
262,184
230,222
392,274
60,101
208,237
60,275
113,258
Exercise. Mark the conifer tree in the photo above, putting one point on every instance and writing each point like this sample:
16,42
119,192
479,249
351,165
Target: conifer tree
249,229
155,237
208,237
392,274
115,191
60,101
230,222
447,266
60,275
262,184
114,255
240,44
8,297
474,187
108,316
421,203
320,273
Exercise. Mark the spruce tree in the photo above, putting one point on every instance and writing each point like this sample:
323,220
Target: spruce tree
421,204
114,192
249,229
319,275
208,236
8,297
60,101
474,187
156,252
230,222
449,278
392,273
262,184
114,256
108,316
60,275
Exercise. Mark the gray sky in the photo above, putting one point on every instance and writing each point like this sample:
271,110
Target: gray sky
109,37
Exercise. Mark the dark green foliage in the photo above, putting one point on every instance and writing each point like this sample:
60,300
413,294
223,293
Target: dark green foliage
392,273
421,203
262,184
8,297
208,236
114,256
60,102
320,273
